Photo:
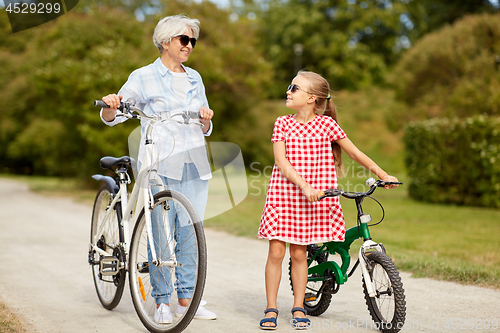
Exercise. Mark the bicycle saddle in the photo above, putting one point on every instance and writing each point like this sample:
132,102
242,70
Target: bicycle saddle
109,162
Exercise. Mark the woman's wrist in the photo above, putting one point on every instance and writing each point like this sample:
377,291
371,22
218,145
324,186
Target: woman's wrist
107,113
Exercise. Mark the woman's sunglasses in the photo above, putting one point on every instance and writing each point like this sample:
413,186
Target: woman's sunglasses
185,40
293,88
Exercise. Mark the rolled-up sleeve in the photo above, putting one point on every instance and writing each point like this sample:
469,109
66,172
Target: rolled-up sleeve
115,121
131,89
209,129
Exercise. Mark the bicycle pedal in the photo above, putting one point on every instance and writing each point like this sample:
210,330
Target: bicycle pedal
309,297
109,266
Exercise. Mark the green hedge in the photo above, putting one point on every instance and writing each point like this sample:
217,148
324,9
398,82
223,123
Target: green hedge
450,72
455,160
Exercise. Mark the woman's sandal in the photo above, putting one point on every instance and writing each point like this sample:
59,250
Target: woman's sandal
269,320
297,320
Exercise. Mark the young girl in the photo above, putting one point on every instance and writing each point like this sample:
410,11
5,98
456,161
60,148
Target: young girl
307,151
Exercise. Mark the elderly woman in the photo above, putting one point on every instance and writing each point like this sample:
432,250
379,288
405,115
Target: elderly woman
168,85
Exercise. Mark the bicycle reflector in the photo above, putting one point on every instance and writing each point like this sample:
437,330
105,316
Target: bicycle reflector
141,288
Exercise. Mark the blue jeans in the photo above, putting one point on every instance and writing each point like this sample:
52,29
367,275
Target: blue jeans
196,190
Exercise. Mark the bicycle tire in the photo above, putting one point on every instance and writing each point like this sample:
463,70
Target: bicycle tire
141,285
109,288
388,307
316,301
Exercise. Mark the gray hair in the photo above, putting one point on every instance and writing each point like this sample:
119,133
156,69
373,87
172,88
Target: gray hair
172,26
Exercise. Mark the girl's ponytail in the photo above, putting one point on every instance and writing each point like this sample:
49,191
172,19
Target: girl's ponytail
331,111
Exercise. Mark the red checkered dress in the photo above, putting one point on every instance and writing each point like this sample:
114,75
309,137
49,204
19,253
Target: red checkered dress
287,215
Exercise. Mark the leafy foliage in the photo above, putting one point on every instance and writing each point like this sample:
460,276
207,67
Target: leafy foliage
350,43
455,160
50,126
451,72
52,73
431,15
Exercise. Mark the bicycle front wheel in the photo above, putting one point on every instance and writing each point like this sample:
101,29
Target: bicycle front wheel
388,307
179,242
108,270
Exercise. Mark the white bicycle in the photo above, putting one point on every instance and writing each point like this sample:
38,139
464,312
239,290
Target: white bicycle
160,251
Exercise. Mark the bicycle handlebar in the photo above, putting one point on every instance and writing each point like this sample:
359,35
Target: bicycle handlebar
334,192
128,108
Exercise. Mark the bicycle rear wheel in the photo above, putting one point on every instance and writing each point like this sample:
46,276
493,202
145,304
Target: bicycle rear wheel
151,285
319,289
110,283
388,307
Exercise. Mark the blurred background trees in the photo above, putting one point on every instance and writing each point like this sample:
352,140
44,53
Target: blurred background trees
454,71
427,58
50,76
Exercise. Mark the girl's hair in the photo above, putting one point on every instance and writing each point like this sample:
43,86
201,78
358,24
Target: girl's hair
320,88
172,26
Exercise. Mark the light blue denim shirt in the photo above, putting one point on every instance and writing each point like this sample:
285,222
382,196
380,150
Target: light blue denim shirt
151,87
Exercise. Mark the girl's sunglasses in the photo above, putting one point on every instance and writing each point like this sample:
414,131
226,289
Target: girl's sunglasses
185,40
293,88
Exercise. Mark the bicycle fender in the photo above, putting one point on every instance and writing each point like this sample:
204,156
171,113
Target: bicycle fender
332,265
109,182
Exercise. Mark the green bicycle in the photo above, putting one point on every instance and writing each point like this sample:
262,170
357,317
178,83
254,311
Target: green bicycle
382,286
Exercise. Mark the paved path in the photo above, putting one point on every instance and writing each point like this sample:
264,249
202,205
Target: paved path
46,281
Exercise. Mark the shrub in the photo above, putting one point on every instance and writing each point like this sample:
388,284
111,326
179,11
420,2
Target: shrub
454,160
451,72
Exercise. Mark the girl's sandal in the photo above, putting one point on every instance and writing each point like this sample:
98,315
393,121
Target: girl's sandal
269,320
297,320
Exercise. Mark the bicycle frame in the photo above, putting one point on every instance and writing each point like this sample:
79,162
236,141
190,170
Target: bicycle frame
140,197
342,248
141,194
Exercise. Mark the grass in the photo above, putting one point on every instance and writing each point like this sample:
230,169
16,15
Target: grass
437,241
9,323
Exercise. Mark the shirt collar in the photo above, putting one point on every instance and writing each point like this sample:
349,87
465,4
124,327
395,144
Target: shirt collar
163,70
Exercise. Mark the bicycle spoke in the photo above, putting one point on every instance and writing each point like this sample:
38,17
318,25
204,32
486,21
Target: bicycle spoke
164,283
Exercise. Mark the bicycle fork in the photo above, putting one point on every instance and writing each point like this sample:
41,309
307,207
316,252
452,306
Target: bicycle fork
156,260
366,247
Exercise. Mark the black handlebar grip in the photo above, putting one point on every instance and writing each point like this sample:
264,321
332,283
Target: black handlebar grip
384,183
194,114
100,104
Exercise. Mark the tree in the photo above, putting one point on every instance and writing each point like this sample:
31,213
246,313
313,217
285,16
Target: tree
431,15
350,42
52,77
52,127
451,72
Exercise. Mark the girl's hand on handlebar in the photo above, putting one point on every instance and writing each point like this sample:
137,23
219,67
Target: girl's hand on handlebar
311,193
389,178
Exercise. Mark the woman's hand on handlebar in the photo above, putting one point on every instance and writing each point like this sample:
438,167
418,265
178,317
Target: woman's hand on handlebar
113,101
206,115
390,178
